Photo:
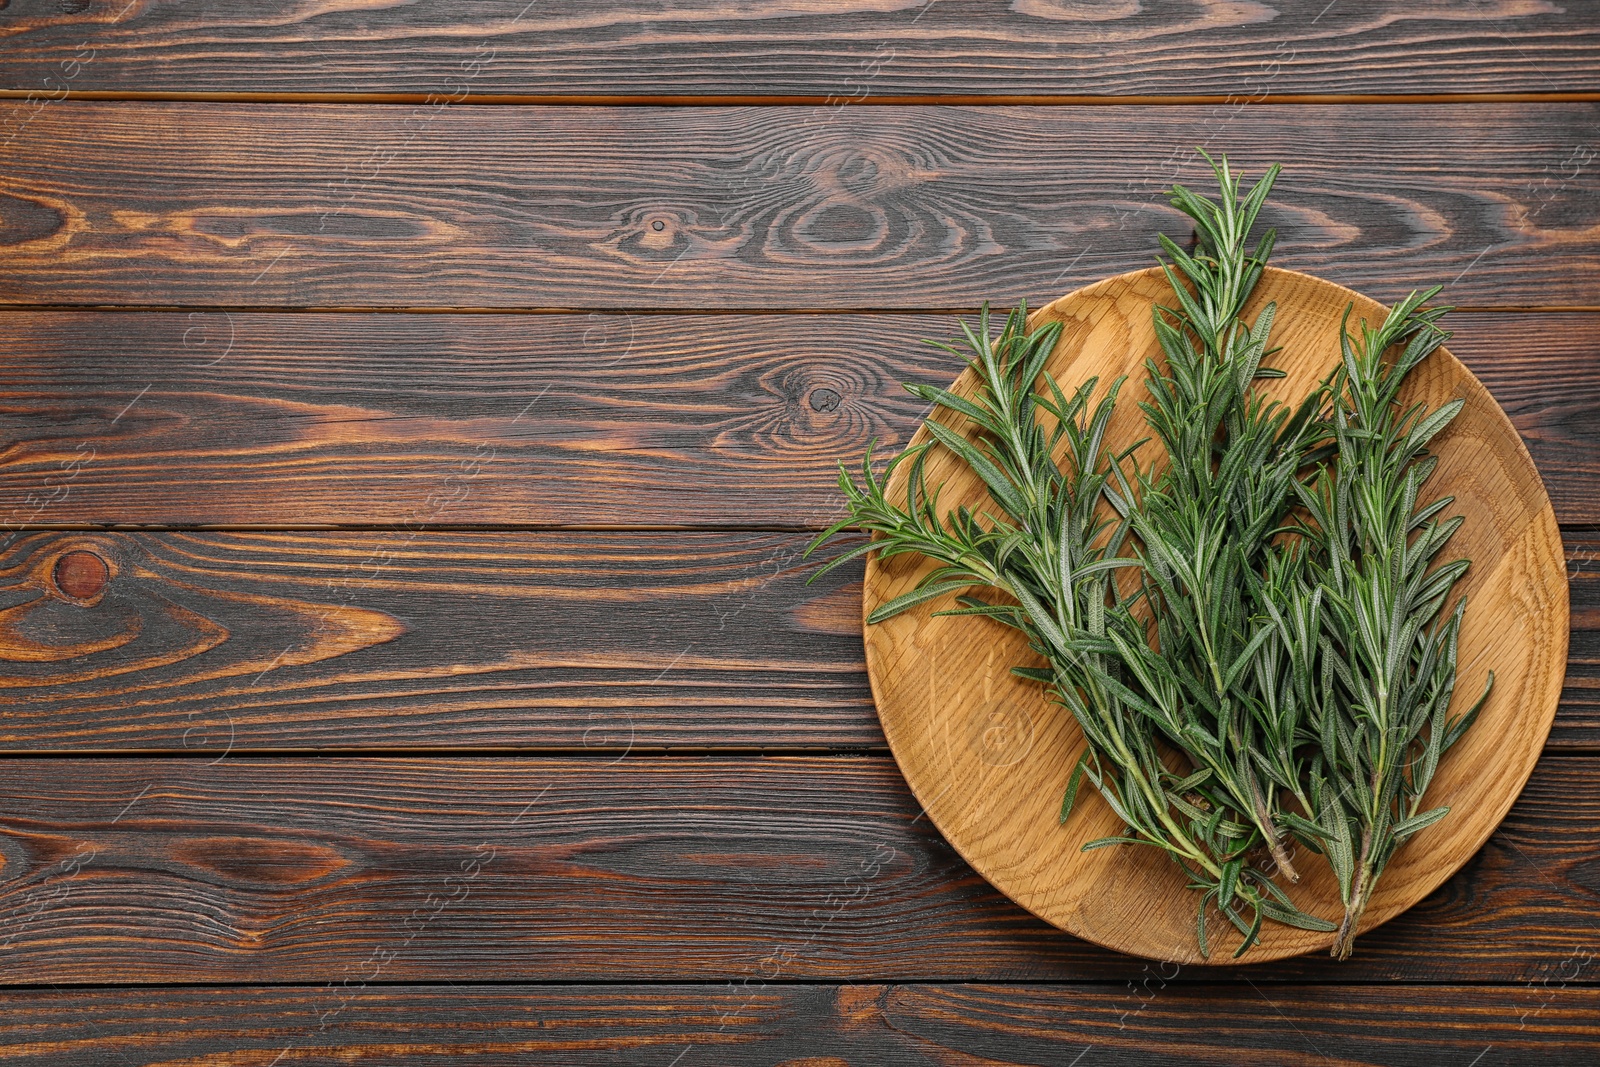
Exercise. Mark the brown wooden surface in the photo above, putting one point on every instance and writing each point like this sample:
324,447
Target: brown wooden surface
237,417
312,870
669,869
777,207
212,641
990,769
1580,699
1154,1021
840,50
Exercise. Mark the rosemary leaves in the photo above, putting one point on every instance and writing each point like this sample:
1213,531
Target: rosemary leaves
1387,645
1263,597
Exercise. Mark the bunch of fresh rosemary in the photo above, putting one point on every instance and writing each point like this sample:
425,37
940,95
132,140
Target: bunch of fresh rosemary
1280,622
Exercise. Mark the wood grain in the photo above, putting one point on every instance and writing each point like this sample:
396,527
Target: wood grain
212,642
897,207
960,723
766,874
424,419
1154,1021
240,642
235,417
327,870
1579,720
845,51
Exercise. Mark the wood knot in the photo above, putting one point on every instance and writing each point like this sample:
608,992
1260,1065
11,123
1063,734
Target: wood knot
80,575
823,399
660,233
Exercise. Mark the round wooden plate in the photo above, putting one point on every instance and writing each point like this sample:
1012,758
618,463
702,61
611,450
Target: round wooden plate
989,758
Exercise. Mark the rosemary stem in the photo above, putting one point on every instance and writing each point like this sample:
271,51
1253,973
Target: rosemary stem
1158,803
1160,806
1360,892
1263,817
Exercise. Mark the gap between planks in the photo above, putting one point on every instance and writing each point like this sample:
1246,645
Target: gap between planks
802,983
814,100
399,309
486,527
613,755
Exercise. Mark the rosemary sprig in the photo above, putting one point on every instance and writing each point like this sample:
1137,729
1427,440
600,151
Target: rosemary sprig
1387,646
1206,521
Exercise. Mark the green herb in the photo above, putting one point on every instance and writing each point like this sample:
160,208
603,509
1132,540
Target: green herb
1298,659
1049,548
1387,646
1206,522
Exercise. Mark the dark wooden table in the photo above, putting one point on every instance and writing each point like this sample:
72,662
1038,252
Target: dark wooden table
413,415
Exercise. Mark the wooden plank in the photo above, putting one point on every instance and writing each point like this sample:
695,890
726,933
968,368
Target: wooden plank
845,51
206,642
899,207
633,419
633,642
188,871
233,417
1155,1021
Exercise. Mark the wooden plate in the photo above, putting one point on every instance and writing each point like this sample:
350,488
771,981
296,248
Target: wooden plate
989,758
